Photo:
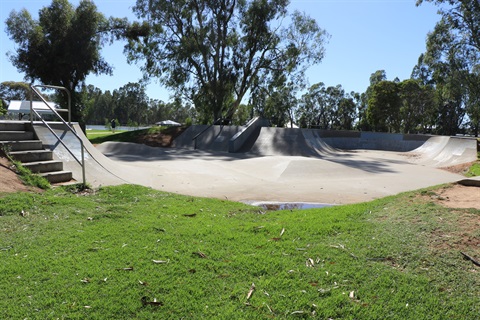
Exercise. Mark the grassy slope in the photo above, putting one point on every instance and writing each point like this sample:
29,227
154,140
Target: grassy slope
100,136
65,258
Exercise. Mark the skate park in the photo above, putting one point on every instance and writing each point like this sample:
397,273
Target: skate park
258,164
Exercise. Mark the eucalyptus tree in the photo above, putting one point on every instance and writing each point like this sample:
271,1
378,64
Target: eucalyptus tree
453,52
418,110
313,112
327,108
214,52
383,111
130,104
60,48
11,90
346,112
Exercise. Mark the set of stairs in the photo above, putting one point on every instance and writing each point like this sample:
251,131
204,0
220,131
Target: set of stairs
19,141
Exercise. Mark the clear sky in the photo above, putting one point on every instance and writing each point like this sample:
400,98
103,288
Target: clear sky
366,36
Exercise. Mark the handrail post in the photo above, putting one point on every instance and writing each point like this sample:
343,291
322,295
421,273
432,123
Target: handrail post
31,106
68,125
69,106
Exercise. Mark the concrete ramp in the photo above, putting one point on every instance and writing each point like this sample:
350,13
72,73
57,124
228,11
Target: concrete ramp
444,152
317,144
282,142
212,138
99,170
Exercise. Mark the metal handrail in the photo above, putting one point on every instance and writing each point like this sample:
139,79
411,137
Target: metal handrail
32,110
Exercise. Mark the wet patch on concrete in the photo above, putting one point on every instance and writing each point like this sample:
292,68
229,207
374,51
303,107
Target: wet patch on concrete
274,206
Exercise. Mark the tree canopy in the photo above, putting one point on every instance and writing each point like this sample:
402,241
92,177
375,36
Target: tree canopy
453,56
60,48
215,51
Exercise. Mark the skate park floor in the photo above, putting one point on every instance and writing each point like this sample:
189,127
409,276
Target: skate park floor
341,178
338,177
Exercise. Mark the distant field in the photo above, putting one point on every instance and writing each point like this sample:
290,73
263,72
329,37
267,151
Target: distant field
91,134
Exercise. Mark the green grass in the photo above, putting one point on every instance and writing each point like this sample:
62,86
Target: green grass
30,179
474,170
101,134
91,256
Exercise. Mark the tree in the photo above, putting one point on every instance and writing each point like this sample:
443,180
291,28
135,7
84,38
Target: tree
313,111
473,101
347,112
327,108
453,52
60,48
383,111
215,51
417,110
10,90
130,104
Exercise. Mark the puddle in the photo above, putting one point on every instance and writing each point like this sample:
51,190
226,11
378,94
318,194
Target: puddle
273,206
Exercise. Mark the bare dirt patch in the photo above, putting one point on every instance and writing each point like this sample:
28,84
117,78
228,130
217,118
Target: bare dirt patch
460,229
10,182
460,168
162,139
458,196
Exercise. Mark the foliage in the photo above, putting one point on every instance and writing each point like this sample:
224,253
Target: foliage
453,53
60,48
417,111
384,103
112,252
130,105
327,108
214,52
11,90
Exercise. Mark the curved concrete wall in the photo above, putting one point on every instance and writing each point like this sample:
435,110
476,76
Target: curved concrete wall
215,138
351,140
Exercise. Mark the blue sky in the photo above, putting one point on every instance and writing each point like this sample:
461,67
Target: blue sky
366,36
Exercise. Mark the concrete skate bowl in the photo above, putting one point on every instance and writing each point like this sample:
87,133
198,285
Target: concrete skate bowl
301,168
426,150
444,152
313,142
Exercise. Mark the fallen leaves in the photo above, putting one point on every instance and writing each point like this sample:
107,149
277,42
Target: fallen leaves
190,215
200,254
161,261
310,263
125,269
250,292
153,302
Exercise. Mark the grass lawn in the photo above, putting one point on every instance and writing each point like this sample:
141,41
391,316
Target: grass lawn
99,134
130,252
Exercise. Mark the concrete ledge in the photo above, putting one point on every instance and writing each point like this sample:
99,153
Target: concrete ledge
242,137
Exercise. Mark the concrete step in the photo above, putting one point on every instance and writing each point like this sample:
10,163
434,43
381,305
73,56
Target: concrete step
12,126
44,166
16,135
32,155
22,145
57,176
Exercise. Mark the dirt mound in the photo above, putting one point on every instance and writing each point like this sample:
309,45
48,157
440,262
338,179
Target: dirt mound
10,182
162,139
